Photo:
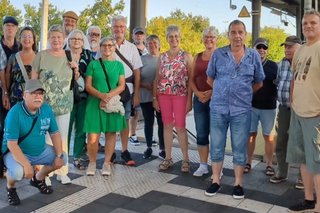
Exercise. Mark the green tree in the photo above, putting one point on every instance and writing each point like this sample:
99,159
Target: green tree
7,9
191,28
32,16
100,14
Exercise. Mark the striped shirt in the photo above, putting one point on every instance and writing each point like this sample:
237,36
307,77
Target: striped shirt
283,81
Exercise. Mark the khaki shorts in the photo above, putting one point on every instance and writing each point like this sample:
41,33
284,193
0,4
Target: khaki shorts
304,142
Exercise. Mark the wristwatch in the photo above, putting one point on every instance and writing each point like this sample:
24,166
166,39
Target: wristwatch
60,156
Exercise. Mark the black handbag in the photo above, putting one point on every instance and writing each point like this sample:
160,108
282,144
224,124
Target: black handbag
74,84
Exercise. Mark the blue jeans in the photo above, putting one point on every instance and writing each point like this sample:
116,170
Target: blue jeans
148,115
202,121
15,169
240,131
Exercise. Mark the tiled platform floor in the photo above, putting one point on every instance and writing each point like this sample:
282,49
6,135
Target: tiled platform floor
144,189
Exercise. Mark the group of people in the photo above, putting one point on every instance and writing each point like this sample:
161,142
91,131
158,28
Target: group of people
82,80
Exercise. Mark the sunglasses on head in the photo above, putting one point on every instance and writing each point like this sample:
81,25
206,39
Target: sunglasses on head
261,46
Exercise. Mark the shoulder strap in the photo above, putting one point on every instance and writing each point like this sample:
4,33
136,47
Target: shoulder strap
69,58
124,59
105,73
22,68
26,135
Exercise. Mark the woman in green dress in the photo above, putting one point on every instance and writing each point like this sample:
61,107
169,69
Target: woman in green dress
96,119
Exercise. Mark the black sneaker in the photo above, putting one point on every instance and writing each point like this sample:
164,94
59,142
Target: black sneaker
306,205
276,179
162,154
13,197
238,192
113,157
127,158
147,154
213,189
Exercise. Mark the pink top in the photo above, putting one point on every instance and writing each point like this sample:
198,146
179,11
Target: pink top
200,75
173,75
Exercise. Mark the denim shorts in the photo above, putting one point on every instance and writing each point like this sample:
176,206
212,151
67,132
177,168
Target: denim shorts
304,142
15,169
201,113
266,118
239,131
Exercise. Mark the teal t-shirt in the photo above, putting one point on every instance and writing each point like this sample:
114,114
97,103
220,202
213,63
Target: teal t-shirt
18,123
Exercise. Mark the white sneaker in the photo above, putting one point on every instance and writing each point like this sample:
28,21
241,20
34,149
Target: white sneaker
48,181
201,171
106,170
91,170
64,179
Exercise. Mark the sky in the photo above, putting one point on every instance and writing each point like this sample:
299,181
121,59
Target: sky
218,11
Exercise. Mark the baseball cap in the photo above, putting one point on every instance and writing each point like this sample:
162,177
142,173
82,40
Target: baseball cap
291,40
138,29
33,85
11,20
71,14
262,41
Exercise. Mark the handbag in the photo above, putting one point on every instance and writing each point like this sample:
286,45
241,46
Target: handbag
74,84
114,104
22,68
2,166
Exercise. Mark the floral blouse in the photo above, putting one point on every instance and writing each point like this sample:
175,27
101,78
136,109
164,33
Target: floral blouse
173,75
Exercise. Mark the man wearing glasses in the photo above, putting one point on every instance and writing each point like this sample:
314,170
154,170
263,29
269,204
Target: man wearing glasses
24,141
264,104
94,36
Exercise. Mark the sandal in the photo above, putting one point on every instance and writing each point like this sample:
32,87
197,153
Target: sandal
270,171
41,185
79,164
247,168
166,164
185,166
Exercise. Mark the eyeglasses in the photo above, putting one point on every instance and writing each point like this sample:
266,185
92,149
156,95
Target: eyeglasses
107,45
261,46
76,39
210,37
116,26
37,92
94,34
27,37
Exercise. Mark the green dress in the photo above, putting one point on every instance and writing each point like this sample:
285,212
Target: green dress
97,120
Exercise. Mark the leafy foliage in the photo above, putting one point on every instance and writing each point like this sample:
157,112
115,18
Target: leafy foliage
100,14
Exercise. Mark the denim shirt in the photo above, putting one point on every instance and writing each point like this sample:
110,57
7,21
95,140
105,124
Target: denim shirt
232,88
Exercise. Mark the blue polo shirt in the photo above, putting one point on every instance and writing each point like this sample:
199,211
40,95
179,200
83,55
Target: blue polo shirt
18,123
232,88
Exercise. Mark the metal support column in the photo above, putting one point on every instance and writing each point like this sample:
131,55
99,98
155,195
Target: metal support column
44,25
256,16
138,14
298,21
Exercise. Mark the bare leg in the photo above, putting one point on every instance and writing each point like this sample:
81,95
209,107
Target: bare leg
216,170
133,123
183,141
168,137
251,146
110,146
92,146
203,153
308,183
269,148
317,187
238,173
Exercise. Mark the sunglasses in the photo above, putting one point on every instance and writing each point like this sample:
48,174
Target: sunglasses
261,46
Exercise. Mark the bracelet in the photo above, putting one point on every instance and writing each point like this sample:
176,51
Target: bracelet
154,98
5,93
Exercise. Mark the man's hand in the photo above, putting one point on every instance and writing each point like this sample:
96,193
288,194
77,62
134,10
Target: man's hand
5,101
28,171
136,100
58,163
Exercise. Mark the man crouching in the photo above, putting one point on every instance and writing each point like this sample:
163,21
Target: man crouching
24,144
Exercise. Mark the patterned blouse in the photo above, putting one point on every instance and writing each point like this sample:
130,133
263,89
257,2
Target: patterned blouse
173,75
